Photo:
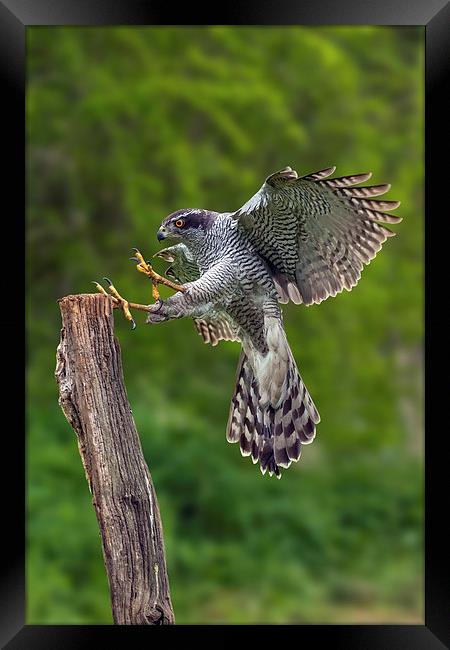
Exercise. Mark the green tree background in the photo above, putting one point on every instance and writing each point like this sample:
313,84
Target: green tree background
125,125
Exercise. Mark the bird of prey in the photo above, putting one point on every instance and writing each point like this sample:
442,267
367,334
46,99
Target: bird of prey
299,239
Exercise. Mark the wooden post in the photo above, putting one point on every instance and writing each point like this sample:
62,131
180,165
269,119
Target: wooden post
94,401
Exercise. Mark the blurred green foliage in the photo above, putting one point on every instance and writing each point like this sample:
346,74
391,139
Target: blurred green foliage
127,124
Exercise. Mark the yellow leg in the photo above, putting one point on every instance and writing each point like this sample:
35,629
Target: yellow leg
124,305
120,302
155,292
100,288
147,269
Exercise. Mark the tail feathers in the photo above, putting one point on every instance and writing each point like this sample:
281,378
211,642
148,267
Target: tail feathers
271,435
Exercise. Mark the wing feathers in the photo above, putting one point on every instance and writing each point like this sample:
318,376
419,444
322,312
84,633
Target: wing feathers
317,176
346,181
375,205
361,192
316,232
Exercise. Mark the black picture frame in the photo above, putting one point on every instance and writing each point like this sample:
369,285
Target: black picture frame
434,15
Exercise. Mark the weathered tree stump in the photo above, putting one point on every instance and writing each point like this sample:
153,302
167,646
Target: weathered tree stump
94,401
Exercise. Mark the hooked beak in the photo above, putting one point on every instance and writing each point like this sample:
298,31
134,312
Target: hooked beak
161,234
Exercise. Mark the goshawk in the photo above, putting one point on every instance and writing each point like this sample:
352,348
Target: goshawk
299,239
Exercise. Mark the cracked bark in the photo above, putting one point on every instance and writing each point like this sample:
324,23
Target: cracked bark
93,398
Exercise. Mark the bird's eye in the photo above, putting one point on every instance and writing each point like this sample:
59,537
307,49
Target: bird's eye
179,223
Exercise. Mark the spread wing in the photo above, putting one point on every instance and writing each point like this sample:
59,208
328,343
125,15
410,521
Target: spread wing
215,325
316,233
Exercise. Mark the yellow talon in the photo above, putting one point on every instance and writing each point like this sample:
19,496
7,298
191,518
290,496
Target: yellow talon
140,260
147,269
155,278
118,300
100,288
113,291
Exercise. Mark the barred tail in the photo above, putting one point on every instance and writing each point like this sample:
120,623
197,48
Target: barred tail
273,434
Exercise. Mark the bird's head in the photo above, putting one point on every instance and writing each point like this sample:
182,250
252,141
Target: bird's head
188,225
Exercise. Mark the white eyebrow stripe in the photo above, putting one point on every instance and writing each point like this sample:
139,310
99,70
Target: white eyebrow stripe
186,213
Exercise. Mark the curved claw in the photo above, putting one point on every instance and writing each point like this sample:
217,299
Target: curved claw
134,259
99,288
108,281
133,324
